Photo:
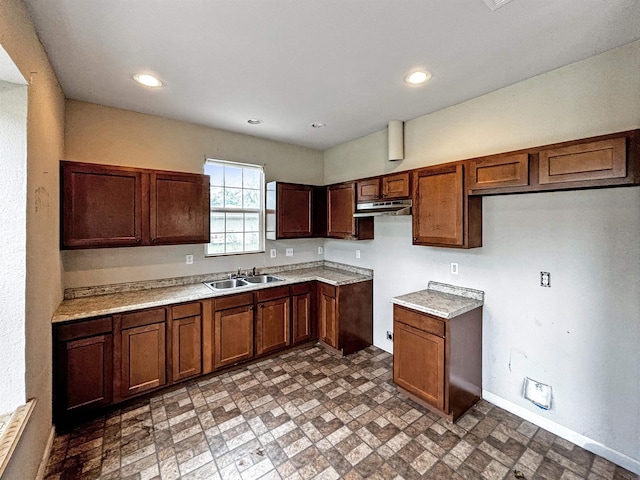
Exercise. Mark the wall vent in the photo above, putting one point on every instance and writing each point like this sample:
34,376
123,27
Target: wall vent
496,4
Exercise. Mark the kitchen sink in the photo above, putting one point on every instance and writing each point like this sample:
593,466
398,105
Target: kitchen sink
226,284
262,279
241,282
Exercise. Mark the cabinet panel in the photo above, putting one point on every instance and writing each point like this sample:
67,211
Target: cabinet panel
301,317
588,161
419,363
86,368
341,201
233,335
368,190
187,344
397,186
272,325
143,359
327,315
101,206
179,208
504,171
294,211
438,215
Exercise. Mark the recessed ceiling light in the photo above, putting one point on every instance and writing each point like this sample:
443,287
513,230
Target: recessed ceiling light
254,121
318,125
418,77
147,80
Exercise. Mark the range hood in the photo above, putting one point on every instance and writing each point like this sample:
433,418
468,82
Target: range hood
378,209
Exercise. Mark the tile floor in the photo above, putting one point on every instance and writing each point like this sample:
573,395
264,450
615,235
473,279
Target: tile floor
307,414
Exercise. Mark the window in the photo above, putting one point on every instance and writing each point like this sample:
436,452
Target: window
237,207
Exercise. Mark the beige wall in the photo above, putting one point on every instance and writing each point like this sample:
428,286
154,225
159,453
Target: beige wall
45,142
581,336
101,134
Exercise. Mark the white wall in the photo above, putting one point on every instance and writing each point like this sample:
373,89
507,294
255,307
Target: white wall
581,336
13,254
99,134
43,292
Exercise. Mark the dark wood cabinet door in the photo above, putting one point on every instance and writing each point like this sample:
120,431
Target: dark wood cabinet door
143,359
500,171
102,206
272,325
327,315
341,205
179,208
397,186
438,212
294,210
301,318
598,160
368,190
419,363
86,372
187,347
233,335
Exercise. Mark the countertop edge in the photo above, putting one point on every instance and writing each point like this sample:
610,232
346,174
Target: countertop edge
58,318
437,313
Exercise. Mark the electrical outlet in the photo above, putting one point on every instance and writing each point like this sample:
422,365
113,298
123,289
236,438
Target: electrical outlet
357,253
188,259
545,279
389,335
320,250
454,268
289,252
273,253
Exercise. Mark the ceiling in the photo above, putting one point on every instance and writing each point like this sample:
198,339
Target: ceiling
294,62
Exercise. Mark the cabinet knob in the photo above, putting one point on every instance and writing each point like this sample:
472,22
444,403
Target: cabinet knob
415,239
261,305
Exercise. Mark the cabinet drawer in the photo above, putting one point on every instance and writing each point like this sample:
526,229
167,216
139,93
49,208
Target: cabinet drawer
396,186
300,288
84,329
271,293
421,321
143,317
186,310
233,301
506,171
587,161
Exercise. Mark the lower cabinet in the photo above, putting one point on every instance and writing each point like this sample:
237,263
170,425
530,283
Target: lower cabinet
437,361
273,319
186,343
83,373
107,360
303,326
143,351
232,329
345,316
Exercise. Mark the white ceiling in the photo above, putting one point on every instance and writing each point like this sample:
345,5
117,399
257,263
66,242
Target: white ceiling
294,62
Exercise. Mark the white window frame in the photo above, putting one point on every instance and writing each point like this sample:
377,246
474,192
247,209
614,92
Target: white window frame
260,211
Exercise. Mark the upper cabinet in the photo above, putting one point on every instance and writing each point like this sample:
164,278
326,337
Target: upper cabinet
389,187
443,215
295,211
111,206
341,204
605,161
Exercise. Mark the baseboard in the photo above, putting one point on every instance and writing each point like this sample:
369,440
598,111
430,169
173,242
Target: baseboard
42,469
587,443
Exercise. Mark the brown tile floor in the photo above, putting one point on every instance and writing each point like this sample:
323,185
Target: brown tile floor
307,414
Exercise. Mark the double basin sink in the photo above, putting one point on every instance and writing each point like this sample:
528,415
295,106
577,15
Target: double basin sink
242,282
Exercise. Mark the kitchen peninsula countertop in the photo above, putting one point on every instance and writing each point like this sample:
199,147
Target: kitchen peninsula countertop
104,300
442,300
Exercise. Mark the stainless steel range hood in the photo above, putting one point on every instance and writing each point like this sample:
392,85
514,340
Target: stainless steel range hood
377,209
